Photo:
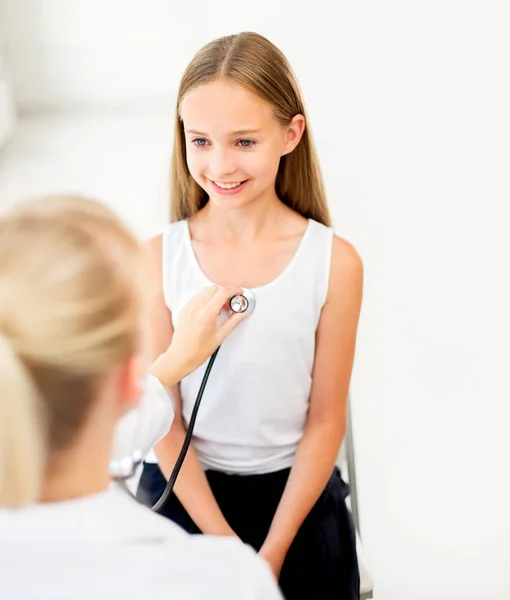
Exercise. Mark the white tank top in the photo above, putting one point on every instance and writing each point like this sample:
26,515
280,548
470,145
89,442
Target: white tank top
255,405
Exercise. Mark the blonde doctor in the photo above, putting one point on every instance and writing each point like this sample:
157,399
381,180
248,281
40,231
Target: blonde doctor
74,348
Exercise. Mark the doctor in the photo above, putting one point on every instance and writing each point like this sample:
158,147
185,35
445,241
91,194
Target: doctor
73,350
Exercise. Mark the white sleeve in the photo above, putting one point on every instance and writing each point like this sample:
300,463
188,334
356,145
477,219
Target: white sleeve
264,584
234,570
257,578
143,427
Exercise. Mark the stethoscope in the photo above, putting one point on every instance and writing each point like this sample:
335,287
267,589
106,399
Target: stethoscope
124,469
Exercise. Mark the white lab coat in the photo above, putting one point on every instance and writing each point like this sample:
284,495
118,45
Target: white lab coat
107,546
144,427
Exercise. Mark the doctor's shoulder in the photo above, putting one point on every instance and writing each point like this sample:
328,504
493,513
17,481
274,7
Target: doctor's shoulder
229,568
191,567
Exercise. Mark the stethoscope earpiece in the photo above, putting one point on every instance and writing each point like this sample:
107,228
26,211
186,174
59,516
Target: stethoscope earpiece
125,468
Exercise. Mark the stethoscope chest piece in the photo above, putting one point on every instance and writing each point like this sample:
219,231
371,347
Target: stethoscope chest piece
243,302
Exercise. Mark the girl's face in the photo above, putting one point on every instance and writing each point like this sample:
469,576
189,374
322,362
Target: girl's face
234,143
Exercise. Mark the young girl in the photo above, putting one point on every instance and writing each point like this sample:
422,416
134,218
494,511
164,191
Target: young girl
249,209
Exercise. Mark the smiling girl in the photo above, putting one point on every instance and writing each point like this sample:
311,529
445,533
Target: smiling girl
249,209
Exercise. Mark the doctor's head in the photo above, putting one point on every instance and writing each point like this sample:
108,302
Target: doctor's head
70,336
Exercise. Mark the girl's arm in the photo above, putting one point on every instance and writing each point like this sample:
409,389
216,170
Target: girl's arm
192,487
319,447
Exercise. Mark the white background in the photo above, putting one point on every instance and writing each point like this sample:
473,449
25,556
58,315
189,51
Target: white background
409,104
6,100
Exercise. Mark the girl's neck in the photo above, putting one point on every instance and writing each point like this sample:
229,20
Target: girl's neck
257,220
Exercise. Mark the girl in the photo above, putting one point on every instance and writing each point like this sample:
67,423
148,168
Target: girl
73,345
249,208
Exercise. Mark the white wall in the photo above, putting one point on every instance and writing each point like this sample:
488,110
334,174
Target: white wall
118,52
409,103
7,113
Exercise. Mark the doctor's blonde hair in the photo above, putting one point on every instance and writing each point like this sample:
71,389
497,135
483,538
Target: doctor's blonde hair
69,313
252,62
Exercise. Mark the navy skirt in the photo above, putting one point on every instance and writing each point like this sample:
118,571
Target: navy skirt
321,563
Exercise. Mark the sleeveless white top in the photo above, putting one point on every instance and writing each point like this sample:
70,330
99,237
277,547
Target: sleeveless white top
254,409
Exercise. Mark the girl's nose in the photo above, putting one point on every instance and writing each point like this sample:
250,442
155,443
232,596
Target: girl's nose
222,163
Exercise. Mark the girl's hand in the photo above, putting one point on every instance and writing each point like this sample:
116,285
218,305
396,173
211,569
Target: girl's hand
198,333
274,557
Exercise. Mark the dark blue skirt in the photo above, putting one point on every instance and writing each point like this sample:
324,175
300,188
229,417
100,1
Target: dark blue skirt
321,563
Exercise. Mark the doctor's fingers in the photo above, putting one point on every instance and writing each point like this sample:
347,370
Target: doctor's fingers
226,328
223,295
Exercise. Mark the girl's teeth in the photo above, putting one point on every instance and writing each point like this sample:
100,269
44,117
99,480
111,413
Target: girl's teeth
228,186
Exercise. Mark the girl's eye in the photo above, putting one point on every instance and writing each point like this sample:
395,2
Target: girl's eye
199,142
246,143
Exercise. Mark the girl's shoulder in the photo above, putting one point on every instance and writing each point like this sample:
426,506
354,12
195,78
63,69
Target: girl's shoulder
157,246
346,272
345,253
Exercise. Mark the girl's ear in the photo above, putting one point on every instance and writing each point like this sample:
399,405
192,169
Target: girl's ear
294,133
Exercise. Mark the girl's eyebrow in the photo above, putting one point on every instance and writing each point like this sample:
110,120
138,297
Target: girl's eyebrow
246,131
234,133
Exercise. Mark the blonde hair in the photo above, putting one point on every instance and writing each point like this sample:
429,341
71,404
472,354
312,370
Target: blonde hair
254,63
69,313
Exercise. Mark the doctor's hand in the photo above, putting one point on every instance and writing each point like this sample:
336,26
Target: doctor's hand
198,333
